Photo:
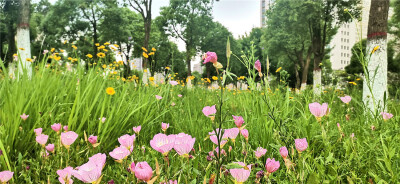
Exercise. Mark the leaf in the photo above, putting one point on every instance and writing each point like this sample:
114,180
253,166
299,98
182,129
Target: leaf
233,166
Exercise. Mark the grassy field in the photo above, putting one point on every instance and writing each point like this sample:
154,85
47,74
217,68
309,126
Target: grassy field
273,117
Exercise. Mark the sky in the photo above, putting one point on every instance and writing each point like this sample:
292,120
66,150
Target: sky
239,16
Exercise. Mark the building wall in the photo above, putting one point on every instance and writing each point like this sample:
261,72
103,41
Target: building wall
264,6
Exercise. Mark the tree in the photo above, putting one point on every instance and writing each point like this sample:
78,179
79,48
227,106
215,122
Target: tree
188,20
144,8
8,23
23,39
375,69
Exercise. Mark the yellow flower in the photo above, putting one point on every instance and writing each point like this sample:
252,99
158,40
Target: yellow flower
29,59
101,47
279,69
375,48
167,68
358,79
73,46
21,49
144,49
15,55
105,50
145,55
353,83
52,49
97,44
107,43
120,62
151,78
153,49
57,58
110,91
75,59
69,58
104,66
151,53
215,78
89,55
101,55
134,77
115,45
61,50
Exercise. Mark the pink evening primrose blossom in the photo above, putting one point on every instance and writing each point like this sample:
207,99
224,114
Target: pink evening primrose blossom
345,99
5,176
245,134
272,165
257,65
238,121
65,175
386,116
67,138
38,131
174,83
179,95
184,144
241,174
24,116
163,143
50,147
127,141
98,159
42,139
283,151
92,139
143,171
137,129
209,110
45,51
120,153
318,110
260,152
65,128
56,127
132,167
232,133
210,57
158,97
103,119
164,126
88,173
301,144
223,138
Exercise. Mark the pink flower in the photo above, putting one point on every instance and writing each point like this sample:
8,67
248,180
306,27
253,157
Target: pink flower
38,131
173,104
245,133
210,57
127,141
56,127
42,139
137,129
98,159
92,139
174,83
214,139
65,128
241,174
223,152
179,95
164,126
67,138
143,171
257,65
120,153
132,167
272,165
163,143
65,175
24,116
283,151
50,147
345,99
231,133
209,110
260,152
386,116
88,173
45,51
158,97
352,135
184,144
301,144
5,176
103,119
318,110
238,120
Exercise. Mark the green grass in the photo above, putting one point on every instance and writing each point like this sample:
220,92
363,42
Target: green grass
273,119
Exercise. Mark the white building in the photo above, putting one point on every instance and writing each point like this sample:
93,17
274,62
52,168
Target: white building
264,6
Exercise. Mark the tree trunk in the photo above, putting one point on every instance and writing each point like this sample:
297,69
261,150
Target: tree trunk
188,61
23,39
296,71
305,69
375,85
95,39
318,55
147,29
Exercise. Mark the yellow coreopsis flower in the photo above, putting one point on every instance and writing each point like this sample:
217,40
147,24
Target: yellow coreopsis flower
151,78
110,91
97,44
145,55
101,55
144,49
151,53
73,46
215,78
105,50
375,48
153,49
29,59
21,49
279,69
57,58
89,55
61,50
104,66
115,45
167,68
52,49
75,59
107,43
69,58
